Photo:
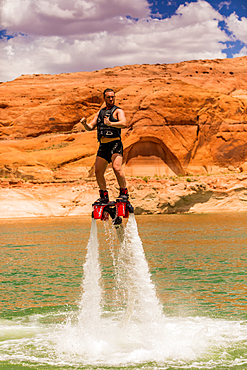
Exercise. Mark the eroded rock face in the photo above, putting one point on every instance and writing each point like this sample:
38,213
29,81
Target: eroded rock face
182,118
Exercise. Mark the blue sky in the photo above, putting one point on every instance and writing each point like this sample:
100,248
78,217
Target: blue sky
44,36
225,8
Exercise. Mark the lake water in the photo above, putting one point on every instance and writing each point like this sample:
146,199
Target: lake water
198,267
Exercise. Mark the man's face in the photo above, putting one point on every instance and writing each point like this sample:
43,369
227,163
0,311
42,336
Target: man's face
109,98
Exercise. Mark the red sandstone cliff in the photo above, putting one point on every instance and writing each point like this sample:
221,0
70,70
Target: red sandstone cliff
182,118
185,118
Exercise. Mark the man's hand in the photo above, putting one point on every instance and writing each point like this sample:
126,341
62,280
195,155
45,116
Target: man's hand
91,125
83,120
107,121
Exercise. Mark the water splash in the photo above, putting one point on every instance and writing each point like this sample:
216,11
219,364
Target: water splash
179,343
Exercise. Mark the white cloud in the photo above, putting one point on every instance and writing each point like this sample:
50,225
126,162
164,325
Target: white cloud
64,18
198,12
81,35
238,27
224,3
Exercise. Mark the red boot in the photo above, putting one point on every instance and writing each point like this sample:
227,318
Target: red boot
123,194
104,197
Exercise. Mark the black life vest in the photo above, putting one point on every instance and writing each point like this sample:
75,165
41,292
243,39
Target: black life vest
104,130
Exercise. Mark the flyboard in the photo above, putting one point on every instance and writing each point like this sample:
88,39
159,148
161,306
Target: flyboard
116,210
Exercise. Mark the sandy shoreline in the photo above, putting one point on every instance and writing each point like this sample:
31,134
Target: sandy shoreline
224,193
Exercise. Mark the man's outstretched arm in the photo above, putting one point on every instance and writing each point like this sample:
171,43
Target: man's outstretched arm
91,125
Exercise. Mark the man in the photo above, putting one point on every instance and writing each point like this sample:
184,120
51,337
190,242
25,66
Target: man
109,122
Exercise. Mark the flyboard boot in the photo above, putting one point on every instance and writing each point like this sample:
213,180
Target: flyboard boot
102,208
99,206
123,205
104,197
123,195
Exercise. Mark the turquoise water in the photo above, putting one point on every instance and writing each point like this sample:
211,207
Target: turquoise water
198,264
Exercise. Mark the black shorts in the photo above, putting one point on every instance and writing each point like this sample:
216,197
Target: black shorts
106,150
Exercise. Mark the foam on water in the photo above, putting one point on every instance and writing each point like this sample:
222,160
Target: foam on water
187,342
136,333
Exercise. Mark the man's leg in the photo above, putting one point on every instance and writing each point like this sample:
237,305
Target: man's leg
117,161
100,168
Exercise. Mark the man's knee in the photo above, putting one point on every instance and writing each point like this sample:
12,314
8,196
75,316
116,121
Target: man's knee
117,167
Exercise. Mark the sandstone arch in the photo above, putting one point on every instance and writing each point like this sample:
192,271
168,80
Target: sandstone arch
150,156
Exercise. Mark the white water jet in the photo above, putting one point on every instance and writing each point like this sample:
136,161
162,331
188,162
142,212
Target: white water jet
131,275
90,305
142,302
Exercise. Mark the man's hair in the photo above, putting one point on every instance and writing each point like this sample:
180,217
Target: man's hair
108,90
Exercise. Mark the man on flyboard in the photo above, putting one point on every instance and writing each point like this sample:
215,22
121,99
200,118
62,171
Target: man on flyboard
109,122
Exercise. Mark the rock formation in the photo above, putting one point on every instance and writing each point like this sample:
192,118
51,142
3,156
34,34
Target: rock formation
183,119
